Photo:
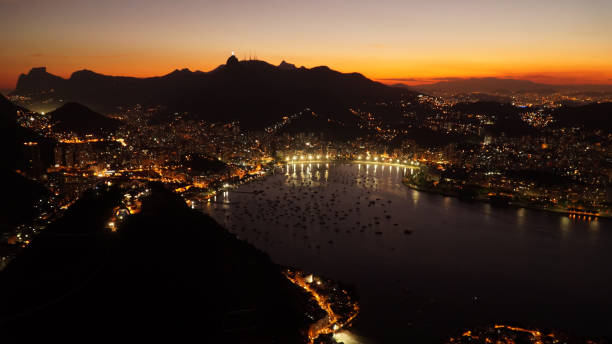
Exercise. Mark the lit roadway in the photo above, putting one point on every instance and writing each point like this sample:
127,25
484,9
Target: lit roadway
332,322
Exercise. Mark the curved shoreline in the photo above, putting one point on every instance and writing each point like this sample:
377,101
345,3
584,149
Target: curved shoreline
348,161
435,192
514,205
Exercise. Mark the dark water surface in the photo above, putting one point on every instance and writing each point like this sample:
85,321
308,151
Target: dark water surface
463,265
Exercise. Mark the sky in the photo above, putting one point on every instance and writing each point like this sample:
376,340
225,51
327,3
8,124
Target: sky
550,41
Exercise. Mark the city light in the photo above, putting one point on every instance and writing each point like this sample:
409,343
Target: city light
502,152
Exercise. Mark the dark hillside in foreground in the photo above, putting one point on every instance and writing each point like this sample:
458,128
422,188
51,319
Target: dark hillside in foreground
168,274
20,209
8,128
18,156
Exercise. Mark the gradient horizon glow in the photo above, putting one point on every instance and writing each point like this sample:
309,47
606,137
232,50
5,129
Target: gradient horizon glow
391,41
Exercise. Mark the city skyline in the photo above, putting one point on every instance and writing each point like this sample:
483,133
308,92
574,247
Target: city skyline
561,42
316,172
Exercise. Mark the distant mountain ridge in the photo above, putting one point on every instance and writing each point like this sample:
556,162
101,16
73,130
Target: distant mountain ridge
254,92
504,85
486,85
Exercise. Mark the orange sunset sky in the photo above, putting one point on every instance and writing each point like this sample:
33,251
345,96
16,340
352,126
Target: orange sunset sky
409,41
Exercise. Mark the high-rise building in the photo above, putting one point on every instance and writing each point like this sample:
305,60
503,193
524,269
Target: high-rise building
59,156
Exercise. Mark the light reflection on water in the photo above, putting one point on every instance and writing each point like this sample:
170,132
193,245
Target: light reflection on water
464,263
347,337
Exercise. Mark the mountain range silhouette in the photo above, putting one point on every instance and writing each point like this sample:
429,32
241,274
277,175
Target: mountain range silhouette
254,92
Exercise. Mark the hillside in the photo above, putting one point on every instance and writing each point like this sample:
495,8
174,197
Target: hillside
254,92
592,116
506,117
74,117
13,136
169,274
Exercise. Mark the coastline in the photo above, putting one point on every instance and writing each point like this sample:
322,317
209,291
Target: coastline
562,211
511,204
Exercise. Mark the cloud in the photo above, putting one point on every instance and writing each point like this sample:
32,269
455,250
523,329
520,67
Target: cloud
401,79
42,55
447,78
115,56
423,80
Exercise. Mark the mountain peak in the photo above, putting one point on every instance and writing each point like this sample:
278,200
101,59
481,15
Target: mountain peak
184,71
78,118
38,70
37,81
70,107
232,60
286,66
83,73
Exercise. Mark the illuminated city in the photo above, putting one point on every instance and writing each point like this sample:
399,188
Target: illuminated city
450,194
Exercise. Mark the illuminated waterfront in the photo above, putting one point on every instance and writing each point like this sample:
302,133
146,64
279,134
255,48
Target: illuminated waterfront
426,266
